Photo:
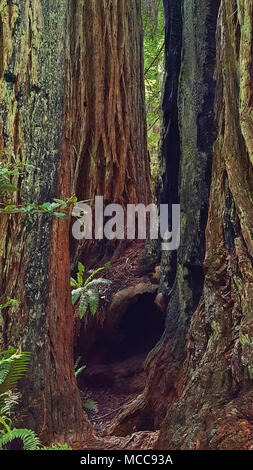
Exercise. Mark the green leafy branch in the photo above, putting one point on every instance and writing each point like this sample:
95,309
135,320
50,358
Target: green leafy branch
50,208
57,208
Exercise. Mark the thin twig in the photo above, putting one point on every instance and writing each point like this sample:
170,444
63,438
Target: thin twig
107,414
152,125
156,57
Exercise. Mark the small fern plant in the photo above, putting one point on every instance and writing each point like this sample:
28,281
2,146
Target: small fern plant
13,365
86,291
19,439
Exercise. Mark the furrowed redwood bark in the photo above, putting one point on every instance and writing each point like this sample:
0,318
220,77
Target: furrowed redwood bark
32,93
105,119
200,373
72,105
188,105
105,122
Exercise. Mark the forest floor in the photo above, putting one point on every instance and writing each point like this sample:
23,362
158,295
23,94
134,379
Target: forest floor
107,404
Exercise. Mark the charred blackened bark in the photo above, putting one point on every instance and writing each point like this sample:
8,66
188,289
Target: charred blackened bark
215,385
170,152
188,105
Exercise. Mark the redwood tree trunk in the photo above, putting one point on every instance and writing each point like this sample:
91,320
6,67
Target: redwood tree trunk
214,387
72,105
105,122
200,373
104,137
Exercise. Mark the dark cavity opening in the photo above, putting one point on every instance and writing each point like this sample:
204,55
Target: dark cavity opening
139,330
125,345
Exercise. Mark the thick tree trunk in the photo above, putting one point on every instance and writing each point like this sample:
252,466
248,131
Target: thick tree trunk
215,384
186,166
105,125
72,105
32,93
105,119
200,373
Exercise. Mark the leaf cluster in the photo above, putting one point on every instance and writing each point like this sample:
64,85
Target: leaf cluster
56,208
85,290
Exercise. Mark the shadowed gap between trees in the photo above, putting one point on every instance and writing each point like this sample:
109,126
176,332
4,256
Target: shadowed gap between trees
124,346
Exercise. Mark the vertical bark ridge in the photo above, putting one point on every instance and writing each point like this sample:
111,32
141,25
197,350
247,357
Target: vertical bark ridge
32,92
110,154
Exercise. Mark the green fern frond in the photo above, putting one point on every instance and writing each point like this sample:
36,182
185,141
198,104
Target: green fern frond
3,422
84,302
77,362
10,399
88,297
17,364
4,371
81,268
93,296
80,273
88,280
78,371
28,437
100,280
79,279
73,282
76,294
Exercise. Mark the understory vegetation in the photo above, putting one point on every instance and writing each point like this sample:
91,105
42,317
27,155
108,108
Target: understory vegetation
153,25
13,365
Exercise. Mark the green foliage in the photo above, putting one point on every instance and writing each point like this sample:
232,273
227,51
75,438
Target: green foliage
7,173
245,339
9,303
85,291
91,405
10,399
45,208
29,439
78,370
153,24
13,365
57,446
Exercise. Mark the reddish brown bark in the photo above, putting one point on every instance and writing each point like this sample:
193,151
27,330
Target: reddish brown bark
72,104
105,124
